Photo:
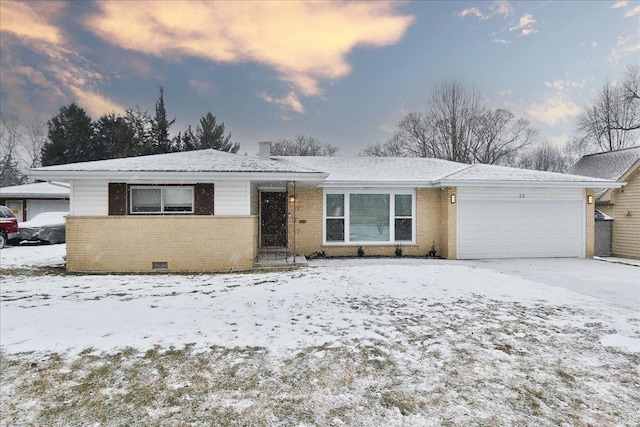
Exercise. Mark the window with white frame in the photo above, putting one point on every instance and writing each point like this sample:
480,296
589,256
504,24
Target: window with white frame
161,199
369,217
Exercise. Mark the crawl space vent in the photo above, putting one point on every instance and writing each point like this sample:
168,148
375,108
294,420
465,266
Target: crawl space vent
159,265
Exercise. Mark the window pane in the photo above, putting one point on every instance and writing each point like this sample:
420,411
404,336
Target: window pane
145,200
335,230
403,205
335,205
177,199
403,229
369,217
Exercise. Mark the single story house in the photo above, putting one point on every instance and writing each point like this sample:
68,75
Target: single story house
620,203
28,200
214,211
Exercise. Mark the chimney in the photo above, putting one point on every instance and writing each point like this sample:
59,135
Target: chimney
264,149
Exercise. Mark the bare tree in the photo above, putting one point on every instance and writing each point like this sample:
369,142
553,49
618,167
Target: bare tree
302,146
612,120
544,157
393,148
631,86
10,141
36,137
457,126
500,137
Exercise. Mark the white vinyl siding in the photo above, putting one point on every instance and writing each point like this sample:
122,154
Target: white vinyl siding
89,198
232,198
520,223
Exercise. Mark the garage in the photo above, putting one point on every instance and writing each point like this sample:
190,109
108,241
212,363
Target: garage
36,206
520,222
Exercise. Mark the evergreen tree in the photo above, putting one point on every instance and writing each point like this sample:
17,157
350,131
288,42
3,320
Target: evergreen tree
114,137
209,134
185,141
160,142
70,137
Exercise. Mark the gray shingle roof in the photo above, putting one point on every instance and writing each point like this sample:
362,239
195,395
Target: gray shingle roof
208,160
608,165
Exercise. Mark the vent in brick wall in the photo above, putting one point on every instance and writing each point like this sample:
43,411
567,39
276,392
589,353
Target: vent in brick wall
159,265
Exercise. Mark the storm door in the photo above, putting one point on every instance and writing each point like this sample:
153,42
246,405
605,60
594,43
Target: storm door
273,219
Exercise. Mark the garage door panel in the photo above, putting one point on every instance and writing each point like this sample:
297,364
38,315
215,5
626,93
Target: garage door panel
36,206
512,228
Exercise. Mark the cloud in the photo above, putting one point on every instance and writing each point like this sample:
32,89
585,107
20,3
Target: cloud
202,87
565,84
304,42
623,3
20,19
45,73
501,41
554,109
501,8
95,104
473,11
624,47
633,12
290,101
525,24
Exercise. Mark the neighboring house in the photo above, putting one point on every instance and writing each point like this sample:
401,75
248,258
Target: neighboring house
214,211
27,201
622,204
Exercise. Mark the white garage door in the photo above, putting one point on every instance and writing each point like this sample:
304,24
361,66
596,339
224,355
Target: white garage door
35,206
520,223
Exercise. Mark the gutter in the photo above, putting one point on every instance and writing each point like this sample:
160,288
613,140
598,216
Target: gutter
176,176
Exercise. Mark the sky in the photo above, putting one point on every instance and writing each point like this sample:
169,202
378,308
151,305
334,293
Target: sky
342,72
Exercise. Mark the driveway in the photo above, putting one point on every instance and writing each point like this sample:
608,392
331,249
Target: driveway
611,282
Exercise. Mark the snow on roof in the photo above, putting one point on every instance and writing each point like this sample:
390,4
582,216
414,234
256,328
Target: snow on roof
609,165
37,190
399,170
208,160
491,173
375,169
359,171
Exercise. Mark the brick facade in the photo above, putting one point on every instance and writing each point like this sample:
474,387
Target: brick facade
186,243
430,225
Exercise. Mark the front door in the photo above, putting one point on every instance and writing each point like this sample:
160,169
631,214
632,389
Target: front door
273,219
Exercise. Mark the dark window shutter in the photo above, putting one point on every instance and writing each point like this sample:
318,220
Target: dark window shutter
117,198
203,195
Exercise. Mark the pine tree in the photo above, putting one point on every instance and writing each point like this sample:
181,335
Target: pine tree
209,134
70,137
160,142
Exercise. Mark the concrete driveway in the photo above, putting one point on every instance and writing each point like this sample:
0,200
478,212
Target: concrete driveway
613,282
617,283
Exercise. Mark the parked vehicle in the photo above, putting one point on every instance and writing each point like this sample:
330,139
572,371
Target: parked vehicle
8,227
47,227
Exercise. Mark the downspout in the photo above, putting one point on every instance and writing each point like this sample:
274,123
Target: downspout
295,200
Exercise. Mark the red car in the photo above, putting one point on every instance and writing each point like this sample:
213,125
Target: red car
8,227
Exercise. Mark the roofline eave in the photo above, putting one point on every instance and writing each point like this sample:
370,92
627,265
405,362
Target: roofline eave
517,183
175,176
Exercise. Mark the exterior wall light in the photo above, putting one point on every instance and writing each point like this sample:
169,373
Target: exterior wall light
292,199
452,198
590,199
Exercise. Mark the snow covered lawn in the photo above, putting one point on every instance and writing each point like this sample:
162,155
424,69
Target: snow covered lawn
338,343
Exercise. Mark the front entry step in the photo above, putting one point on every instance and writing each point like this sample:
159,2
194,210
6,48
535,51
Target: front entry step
285,260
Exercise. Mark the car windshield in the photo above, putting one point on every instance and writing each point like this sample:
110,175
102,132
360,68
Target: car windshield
5,212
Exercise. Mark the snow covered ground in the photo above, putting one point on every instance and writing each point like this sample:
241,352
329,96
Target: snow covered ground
342,342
